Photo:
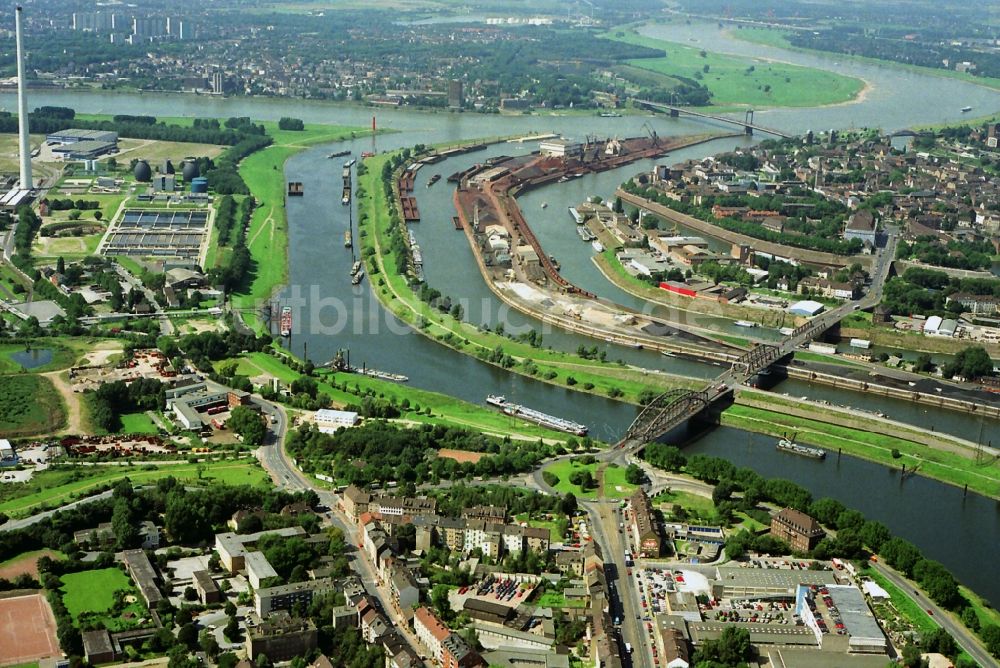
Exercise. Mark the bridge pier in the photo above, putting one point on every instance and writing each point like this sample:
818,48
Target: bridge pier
748,129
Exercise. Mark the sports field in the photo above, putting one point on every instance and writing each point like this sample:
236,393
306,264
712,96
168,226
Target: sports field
27,630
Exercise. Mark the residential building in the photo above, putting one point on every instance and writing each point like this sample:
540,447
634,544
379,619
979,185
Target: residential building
975,304
862,226
645,526
285,597
797,529
281,637
258,569
430,631
404,589
233,548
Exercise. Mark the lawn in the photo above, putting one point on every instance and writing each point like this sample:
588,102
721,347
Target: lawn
615,486
55,487
29,404
156,151
934,463
825,359
701,506
137,423
267,237
91,595
556,599
745,81
912,611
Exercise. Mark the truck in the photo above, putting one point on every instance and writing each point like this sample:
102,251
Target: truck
628,648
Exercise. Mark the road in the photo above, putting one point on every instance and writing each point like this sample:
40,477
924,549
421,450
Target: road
969,642
275,460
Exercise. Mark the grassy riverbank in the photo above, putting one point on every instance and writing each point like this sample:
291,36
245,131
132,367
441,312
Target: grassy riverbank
777,38
558,368
744,81
444,410
941,465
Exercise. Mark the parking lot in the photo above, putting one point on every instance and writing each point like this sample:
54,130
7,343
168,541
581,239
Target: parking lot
504,589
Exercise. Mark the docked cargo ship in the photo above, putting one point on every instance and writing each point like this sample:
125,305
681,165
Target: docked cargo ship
788,445
286,322
531,415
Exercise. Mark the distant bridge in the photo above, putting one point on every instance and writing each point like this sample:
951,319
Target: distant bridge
747,123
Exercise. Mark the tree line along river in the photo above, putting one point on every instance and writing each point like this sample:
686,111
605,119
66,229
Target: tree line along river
959,531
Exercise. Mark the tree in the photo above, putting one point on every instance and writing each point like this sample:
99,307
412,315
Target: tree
568,505
208,644
248,424
232,630
61,265
124,524
634,475
188,635
230,609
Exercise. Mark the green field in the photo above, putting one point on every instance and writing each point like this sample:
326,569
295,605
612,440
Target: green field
555,599
267,236
615,486
913,612
551,366
934,463
55,487
90,595
29,404
776,37
137,423
701,506
732,82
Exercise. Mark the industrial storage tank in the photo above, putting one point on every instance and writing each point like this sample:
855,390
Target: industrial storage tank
199,184
168,167
190,170
142,172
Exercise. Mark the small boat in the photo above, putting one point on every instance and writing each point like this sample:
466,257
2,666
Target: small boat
545,205
966,109
610,114
575,215
348,242
349,163
434,179
358,277
790,446
597,245
745,323
367,154
584,233
555,262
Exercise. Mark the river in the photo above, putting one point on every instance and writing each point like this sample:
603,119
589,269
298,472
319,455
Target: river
964,531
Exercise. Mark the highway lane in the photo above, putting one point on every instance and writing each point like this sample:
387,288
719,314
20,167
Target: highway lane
965,638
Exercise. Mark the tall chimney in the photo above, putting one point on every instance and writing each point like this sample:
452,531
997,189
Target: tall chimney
22,110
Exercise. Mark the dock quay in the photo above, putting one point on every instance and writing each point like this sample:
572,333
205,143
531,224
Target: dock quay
457,222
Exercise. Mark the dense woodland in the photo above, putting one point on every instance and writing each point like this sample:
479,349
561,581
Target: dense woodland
378,452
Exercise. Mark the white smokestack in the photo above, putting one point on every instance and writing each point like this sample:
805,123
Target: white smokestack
22,110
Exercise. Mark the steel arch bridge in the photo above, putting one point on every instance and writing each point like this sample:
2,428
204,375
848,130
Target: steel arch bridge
664,413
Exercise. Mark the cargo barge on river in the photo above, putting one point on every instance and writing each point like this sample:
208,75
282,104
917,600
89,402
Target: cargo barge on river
538,417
